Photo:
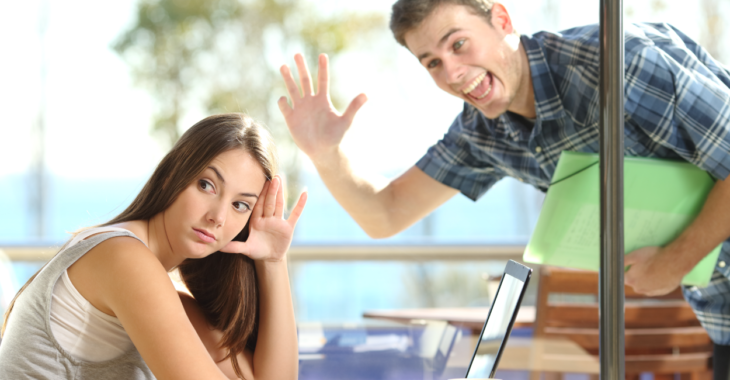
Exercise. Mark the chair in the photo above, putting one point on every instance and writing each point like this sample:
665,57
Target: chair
662,334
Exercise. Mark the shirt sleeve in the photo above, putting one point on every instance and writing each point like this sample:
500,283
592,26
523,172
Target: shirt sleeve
681,103
456,160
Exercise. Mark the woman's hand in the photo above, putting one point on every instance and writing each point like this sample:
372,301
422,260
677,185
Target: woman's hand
270,234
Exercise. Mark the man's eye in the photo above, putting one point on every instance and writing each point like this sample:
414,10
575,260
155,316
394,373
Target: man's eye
458,44
433,63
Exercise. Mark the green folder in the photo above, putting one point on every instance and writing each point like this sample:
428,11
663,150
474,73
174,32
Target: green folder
661,198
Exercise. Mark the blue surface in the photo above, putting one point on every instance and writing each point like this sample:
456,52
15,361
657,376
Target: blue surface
339,358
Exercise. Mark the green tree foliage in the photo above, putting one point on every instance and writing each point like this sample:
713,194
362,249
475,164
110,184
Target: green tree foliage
223,56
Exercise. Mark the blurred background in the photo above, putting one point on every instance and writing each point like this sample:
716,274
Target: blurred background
93,94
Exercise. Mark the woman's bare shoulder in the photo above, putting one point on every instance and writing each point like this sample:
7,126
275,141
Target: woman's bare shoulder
119,250
116,264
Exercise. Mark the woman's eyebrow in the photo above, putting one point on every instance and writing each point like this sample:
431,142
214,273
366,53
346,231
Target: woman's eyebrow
220,177
249,195
223,181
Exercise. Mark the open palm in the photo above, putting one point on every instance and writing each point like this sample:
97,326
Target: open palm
316,127
270,234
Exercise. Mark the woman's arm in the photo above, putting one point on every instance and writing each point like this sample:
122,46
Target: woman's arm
276,355
123,278
277,351
212,338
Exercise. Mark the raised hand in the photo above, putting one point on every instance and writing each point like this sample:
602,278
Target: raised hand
271,234
315,125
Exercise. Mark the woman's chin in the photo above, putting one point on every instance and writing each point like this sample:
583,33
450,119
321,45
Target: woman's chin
201,252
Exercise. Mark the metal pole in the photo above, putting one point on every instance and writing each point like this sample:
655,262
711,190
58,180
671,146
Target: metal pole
611,292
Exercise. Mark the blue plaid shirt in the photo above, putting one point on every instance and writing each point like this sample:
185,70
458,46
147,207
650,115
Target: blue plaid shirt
677,107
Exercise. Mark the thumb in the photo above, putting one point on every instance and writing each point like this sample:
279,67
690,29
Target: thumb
631,258
354,106
236,247
284,107
637,256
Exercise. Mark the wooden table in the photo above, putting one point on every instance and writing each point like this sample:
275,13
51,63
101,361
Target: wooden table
532,354
524,354
469,317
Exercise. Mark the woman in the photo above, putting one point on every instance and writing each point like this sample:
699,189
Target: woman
216,184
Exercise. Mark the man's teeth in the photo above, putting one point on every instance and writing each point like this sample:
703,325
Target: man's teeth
486,93
475,83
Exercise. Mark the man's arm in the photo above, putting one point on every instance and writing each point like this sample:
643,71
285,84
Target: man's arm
684,111
659,270
380,207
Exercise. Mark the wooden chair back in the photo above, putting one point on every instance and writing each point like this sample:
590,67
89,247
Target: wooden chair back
662,334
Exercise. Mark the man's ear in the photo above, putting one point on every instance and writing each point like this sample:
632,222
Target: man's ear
501,20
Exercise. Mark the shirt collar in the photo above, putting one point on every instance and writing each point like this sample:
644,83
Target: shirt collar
547,102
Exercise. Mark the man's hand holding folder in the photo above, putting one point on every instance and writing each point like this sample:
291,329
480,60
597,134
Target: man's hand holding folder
669,239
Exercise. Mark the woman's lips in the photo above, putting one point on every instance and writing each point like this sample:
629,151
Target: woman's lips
204,236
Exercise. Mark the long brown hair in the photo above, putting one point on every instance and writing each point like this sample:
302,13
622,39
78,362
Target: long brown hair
224,285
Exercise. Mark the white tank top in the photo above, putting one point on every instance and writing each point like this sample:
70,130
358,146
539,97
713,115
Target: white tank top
80,328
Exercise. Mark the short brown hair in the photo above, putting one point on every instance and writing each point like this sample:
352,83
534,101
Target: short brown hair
408,14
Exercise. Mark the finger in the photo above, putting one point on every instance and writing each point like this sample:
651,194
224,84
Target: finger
279,210
629,279
635,287
354,106
297,211
258,208
235,247
637,256
284,107
323,76
632,258
304,77
270,201
291,85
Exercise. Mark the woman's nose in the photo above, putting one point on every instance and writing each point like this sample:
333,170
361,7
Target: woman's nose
217,214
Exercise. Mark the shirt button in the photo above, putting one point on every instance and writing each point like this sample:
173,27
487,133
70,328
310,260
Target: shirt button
721,264
538,149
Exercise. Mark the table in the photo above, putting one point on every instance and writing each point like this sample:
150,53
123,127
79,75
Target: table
534,355
468,317
427,350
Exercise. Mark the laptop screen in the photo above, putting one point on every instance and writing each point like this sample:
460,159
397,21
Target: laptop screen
497,327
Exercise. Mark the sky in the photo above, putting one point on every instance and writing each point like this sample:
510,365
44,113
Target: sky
97,121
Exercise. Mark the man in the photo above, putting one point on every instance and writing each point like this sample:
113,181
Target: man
526,99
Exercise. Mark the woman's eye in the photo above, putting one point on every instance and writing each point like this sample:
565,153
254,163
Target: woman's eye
432,64
241,206
205,185
458,44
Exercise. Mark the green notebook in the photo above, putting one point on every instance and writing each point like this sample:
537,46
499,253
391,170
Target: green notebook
661,198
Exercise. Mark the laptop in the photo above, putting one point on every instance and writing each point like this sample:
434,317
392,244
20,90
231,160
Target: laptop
498,325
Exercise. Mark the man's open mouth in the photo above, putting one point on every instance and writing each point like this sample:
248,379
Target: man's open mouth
479,88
